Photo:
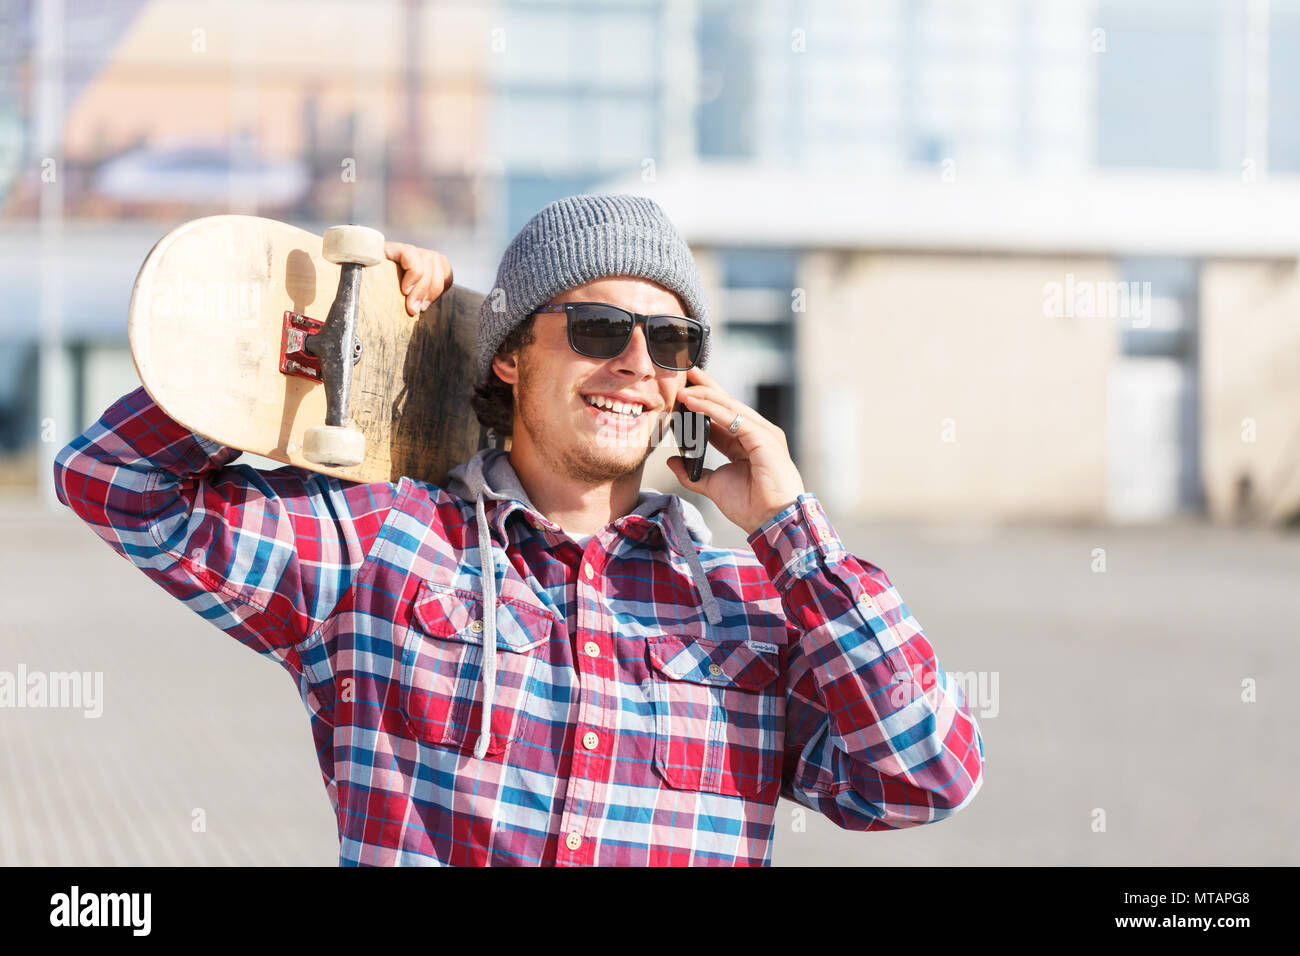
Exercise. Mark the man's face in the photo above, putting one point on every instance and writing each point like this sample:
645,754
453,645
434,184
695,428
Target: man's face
555,423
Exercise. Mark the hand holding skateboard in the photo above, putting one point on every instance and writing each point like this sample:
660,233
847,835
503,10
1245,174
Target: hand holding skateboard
425,274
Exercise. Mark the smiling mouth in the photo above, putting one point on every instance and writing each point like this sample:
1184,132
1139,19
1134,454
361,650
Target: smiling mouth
619,411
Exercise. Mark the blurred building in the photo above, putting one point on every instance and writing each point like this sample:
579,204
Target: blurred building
930,175
292,108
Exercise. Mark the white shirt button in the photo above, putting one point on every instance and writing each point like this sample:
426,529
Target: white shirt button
589,571
592,649
590,740
715,670
865,600
824,534
573,840
476,627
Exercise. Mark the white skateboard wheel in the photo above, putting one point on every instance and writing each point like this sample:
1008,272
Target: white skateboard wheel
359,244
333,445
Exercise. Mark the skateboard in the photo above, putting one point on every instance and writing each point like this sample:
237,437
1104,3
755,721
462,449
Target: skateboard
298,347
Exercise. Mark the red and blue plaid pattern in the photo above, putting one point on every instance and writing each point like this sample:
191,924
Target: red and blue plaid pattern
626,730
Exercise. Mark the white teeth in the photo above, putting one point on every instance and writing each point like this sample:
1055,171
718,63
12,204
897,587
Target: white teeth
623,408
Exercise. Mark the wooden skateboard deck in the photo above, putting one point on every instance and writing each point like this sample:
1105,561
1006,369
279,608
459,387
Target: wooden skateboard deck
206,322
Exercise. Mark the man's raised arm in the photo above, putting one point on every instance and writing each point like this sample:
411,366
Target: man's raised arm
265,556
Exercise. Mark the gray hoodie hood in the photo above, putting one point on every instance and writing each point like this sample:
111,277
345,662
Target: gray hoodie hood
489,474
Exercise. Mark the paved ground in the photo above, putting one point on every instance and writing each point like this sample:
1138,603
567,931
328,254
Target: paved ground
1118,692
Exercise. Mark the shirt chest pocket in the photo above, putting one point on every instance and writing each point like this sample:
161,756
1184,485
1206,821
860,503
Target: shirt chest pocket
442,667
719,714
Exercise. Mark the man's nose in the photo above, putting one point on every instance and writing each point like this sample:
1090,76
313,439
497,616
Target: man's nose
636,356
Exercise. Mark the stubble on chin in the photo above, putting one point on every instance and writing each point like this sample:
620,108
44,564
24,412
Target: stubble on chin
600,456
594,458
595,464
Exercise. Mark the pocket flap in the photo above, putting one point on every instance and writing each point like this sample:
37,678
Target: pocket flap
746,664
458,615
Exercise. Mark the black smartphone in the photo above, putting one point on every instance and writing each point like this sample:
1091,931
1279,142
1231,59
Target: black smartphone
691,430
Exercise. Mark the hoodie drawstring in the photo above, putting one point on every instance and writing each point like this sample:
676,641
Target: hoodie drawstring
709,602
489,627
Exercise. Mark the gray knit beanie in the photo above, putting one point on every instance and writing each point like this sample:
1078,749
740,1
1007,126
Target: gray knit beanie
578,239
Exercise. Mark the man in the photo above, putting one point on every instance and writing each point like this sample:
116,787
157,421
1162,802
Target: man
543,663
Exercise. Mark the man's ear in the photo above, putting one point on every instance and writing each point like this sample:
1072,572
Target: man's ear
506,365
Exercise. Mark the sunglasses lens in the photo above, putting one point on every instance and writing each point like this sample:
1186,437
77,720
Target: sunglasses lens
673,343
599,332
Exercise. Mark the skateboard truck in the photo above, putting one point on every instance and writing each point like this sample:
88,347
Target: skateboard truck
328,352
295,360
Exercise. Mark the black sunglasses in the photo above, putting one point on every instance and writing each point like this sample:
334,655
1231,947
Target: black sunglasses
602,331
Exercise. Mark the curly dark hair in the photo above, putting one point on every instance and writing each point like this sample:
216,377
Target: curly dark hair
493,400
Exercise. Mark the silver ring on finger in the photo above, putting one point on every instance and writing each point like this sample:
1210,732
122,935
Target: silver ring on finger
732,428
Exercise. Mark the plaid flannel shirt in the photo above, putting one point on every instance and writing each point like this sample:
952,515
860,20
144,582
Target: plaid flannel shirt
626,730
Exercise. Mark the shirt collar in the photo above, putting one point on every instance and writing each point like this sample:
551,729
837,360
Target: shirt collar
489,472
